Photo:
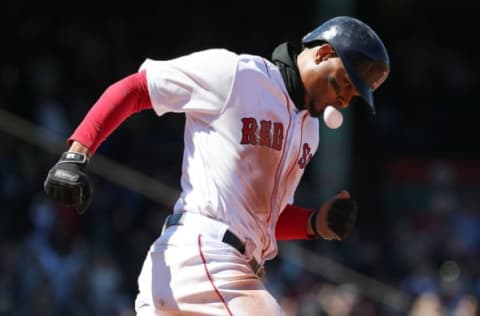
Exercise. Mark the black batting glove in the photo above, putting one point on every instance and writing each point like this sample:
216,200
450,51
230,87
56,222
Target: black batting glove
342,217
67,182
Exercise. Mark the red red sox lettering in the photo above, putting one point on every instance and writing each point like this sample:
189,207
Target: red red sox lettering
263,136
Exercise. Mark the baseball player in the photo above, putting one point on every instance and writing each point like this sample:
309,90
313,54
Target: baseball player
251,128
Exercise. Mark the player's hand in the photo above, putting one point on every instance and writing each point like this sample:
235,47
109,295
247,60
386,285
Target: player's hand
337,217
67,182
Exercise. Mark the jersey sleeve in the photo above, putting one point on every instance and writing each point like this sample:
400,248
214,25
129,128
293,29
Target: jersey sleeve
198,82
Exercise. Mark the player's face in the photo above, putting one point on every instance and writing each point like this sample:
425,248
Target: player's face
327,83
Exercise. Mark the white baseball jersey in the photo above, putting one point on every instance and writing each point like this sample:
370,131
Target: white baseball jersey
246,144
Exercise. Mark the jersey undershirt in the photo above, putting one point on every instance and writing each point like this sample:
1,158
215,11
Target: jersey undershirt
246,144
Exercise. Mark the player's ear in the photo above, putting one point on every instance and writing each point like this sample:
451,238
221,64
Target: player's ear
323,52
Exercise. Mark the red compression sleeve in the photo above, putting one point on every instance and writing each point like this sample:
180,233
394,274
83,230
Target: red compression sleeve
292,223
119,101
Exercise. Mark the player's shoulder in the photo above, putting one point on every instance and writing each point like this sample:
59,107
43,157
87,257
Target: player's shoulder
224,59
244,61
217,52
218,55
256,65
207,57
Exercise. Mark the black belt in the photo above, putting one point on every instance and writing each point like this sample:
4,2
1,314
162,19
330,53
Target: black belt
228,238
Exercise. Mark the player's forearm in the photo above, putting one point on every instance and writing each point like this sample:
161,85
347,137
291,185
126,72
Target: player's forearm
119,101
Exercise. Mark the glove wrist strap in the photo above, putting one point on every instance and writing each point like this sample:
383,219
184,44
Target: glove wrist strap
73,157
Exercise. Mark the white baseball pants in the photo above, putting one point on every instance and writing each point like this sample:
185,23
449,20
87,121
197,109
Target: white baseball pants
190,271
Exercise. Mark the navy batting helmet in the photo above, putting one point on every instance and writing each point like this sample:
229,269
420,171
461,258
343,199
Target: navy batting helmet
362,52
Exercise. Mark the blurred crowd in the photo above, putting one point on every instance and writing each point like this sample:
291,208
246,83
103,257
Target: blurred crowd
418,226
